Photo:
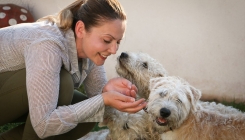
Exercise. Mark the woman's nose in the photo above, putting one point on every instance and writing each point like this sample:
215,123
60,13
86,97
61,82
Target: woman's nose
113,49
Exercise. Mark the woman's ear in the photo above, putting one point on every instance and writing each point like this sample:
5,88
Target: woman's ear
79,29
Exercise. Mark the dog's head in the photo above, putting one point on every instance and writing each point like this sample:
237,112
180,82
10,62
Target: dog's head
170,102
139,68
125,126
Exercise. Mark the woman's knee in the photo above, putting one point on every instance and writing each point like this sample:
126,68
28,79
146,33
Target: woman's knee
13,95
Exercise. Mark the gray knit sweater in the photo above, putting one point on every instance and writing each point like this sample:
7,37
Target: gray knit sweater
43,49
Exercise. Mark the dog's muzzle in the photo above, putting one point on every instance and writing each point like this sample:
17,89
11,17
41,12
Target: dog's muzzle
123,55
162,120
164,112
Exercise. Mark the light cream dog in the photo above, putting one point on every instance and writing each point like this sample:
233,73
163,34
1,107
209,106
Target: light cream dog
178,114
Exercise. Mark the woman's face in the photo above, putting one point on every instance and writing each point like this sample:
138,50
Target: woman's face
99,42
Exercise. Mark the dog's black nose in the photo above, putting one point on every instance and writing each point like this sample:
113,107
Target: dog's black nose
123,55
164,112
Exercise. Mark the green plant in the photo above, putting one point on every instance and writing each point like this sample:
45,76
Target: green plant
97,128
8,126
240,106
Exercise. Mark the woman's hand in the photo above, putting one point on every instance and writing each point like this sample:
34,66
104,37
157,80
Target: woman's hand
122,102
121,85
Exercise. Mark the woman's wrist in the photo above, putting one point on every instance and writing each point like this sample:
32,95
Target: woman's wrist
105,88
104,96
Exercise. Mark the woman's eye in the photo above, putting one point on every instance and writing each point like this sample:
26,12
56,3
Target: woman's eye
107,41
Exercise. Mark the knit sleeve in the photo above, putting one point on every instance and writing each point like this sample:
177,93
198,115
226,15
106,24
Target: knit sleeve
43,63
93,84
95,80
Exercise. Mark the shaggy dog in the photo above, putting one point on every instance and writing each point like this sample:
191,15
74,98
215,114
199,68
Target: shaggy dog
178,114
139,68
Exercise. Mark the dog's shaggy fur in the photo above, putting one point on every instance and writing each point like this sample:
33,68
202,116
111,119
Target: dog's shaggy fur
178,114
96,135
139,68
125,126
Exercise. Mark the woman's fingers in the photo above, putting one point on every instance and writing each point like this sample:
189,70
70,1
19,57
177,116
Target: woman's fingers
116,99
133,93
126,83
121,85
136,109
122,102
134,88
132,107
129,85
127,99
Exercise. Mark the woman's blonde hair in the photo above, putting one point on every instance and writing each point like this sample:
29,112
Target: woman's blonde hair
91,12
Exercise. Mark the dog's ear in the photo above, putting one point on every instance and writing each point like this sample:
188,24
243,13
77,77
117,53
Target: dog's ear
152,83
194,96
196,93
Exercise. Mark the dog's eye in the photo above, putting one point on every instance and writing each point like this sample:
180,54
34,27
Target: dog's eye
163,93
145,65
179,101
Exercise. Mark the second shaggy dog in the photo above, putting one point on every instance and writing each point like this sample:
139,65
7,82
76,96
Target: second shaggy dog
178,114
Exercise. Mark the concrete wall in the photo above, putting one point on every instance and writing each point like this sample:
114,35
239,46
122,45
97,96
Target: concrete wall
200,41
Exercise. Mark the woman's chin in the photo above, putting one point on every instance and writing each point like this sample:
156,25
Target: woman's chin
99,63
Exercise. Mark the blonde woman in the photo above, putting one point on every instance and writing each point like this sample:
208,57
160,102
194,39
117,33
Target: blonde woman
41,63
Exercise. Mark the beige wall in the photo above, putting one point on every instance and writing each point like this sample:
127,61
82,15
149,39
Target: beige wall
201,41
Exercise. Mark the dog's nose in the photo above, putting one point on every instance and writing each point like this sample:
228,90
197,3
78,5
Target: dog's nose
164,112
123,55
